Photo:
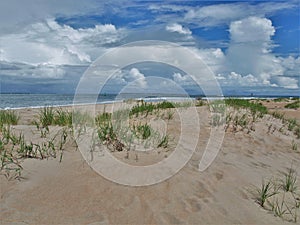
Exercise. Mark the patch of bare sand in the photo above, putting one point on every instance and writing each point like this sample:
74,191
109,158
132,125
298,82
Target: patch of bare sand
70,192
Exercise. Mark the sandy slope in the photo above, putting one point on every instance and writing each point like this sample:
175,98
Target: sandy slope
70,192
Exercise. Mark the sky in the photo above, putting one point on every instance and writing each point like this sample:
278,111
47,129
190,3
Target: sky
250,46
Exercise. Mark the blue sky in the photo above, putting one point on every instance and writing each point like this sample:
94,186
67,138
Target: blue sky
250,46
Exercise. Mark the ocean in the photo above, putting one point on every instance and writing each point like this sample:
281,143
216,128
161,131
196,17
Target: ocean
16,101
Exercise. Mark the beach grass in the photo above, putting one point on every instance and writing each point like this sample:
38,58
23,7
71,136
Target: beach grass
282,199
8,117
142,131
164,142
290,180
247,104
149,108
14,148
293,105
49,116
46,116
63,117
265,192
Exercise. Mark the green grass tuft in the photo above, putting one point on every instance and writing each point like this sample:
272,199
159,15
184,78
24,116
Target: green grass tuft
289,181
244,103
265,192
8,117
46,116
293,105
164,142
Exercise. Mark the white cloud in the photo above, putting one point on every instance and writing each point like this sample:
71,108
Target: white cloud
29,71
48,71
175,27
182,79
291,66
52,43
46,46
237,79
214,58
249,51
287,82
136,76
168,8
219,14
14,15
213,15
133,77
252,29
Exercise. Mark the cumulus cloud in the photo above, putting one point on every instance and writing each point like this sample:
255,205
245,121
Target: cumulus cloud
136,76
252,29
175,27
291,66
182,79
214,58
133,76
234,79
34,46
287,82
250,51
52,43
46,47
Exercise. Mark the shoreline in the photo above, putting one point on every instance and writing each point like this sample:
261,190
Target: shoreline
154,99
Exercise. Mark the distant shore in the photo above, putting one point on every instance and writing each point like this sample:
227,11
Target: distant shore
23,101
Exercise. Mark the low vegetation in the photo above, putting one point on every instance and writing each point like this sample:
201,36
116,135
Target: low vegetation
113,131
284,199
242,114
14,149
117,135
280,99
265,192
8,117
254,107
293,105
49,116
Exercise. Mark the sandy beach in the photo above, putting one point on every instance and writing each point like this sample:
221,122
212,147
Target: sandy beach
69,191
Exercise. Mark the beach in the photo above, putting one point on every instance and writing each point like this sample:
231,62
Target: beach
66,190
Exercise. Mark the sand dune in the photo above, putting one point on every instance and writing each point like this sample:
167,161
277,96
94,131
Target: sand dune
70,192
